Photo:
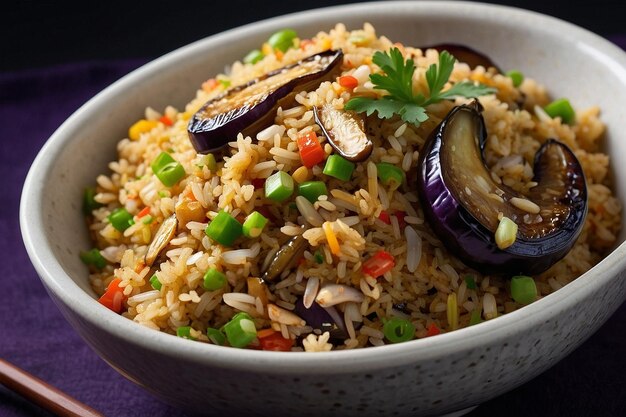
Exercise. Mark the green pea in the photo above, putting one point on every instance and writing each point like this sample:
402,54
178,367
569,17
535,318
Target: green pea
283,39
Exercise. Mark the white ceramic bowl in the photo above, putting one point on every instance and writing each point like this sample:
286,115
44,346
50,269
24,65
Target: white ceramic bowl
423,377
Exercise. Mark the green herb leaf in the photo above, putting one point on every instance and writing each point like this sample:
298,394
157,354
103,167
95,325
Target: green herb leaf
466,89
413,113
437,75
386,107
397,80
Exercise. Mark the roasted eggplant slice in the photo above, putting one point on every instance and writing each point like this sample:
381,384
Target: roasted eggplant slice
464,205
319,318
251,107
463,53
345,132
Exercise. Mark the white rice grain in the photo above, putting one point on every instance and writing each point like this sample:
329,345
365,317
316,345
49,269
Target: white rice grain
490,308
240,256
310,292
146,296
413,248
270,132
194,258
400,130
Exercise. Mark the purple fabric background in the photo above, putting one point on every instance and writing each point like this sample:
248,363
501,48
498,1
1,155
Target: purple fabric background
35,337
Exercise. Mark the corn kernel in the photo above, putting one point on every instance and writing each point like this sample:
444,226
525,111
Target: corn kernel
266,49
326,43
301,175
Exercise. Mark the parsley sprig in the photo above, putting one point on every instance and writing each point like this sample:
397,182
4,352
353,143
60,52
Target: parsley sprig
397,80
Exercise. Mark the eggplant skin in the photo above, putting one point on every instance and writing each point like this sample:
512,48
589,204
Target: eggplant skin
464,53
472,242
251,107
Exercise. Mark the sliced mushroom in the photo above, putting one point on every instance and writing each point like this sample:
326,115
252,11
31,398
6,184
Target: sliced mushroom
345,132
286,258
333,294
161,239
280,315
465,206
251,107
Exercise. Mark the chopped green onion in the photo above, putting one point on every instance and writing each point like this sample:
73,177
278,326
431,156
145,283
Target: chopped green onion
185,332
147,219
506,233
89,202
311,190
164,193
389,174
470,282
515,76
155,283
475,317
216,336
225,82
398,330
358,40
93,257
170,174
167,170
282,40
208,161
224,229
214,279
338,167
523,289
253,57
561,108
254,224
121,219
279,186
319,258
240,330
161,161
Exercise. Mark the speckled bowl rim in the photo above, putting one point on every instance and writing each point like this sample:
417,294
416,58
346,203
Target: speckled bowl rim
359,360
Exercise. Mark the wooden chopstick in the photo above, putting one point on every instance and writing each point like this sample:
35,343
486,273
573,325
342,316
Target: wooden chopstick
42,393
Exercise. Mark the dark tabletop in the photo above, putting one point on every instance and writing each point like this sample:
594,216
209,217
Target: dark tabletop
33,335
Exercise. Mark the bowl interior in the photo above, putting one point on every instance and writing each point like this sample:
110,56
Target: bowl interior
569,61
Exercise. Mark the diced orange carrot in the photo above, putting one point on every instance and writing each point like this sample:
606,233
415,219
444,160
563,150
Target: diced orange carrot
348,81
144,212
333,244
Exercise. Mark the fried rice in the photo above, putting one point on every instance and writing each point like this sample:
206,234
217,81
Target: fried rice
427,286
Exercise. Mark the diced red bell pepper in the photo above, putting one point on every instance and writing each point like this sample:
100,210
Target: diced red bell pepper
432,330
166,120
400,216
276,342
384,217
113,298
311,151
378,264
